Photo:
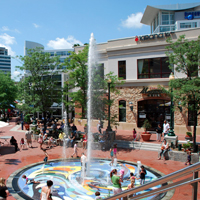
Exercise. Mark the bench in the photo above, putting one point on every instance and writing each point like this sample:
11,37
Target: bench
7,149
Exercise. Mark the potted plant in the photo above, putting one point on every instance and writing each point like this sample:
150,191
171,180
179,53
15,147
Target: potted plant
189,136
27,121
146,135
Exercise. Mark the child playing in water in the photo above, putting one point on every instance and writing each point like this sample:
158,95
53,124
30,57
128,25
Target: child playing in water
46,156
97,194
29,180
111,156
75,150
115,150
121,175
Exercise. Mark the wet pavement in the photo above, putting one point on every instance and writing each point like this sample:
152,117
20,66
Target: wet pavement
14,161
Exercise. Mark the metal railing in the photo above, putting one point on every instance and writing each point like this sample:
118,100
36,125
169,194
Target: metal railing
192,180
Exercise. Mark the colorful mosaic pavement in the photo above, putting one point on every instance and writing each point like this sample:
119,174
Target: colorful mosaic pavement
68,183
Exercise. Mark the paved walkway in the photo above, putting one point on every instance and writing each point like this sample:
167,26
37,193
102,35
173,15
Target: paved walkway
11,162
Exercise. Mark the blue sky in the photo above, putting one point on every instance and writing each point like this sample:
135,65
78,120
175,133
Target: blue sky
58,24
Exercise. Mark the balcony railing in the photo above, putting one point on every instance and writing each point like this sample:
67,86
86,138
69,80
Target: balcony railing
190,180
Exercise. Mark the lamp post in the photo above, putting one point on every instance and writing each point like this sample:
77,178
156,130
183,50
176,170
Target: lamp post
109,127
171,132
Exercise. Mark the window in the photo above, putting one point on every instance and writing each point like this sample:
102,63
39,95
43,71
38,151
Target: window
62,60
61,53
153,68
167,18
122,69
188,25
101,70
5,60
122,111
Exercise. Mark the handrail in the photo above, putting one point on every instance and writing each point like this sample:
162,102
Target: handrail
175,175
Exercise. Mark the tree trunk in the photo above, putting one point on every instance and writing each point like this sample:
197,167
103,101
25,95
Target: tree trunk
45,120
194,132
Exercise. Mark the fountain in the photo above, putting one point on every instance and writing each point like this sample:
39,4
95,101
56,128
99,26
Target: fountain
71,182
92,63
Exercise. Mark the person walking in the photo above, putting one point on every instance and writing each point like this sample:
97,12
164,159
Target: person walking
159,132
75,150
111,156
28,137
116,182
3,189
166,128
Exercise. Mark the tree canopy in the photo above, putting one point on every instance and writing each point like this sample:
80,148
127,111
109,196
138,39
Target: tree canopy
40,87
8,91
76,85
184,55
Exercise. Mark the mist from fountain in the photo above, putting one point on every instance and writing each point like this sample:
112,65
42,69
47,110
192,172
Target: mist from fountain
66,133
92,64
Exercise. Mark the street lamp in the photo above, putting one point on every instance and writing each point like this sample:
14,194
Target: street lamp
171,132
109,127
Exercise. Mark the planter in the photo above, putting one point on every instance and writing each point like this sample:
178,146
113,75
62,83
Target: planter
189,138
146,136
26,126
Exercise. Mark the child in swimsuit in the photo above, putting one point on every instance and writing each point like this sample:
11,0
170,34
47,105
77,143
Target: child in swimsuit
115,150
111,156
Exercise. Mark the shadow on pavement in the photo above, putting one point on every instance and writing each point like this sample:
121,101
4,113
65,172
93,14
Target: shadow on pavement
12,161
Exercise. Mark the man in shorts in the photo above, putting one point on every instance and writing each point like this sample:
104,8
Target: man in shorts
28,137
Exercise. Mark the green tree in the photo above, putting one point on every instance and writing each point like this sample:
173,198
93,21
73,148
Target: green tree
8,92
78,79
184,55
39,88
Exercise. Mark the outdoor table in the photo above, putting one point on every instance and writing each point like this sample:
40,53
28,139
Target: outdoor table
5,138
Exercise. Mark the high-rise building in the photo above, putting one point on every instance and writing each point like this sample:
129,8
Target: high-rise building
5,60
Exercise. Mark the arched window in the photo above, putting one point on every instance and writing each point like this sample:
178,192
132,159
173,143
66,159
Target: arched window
122,111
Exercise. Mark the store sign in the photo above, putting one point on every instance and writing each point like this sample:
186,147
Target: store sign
192,15
152,36
151,93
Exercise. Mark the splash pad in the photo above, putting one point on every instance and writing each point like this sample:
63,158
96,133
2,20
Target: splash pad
68,181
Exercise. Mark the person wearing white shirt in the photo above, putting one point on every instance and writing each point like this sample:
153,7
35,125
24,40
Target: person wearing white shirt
166,128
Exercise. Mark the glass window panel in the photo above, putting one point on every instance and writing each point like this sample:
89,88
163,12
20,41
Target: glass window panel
122,111
154,65
165,65
122,69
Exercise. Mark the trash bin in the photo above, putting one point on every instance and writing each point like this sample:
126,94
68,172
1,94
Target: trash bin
179,147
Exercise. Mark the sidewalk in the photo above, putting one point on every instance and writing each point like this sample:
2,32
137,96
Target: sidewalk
11,162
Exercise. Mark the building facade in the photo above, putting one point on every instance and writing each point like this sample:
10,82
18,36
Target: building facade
142,63
5,60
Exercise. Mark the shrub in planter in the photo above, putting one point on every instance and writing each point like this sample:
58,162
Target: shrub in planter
146,135
189,136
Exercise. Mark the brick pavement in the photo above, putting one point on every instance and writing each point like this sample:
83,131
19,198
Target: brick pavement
11,162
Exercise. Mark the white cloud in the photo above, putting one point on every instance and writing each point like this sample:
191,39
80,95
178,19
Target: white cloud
36,25
5,28
133,21
62,43
7,39
15,74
